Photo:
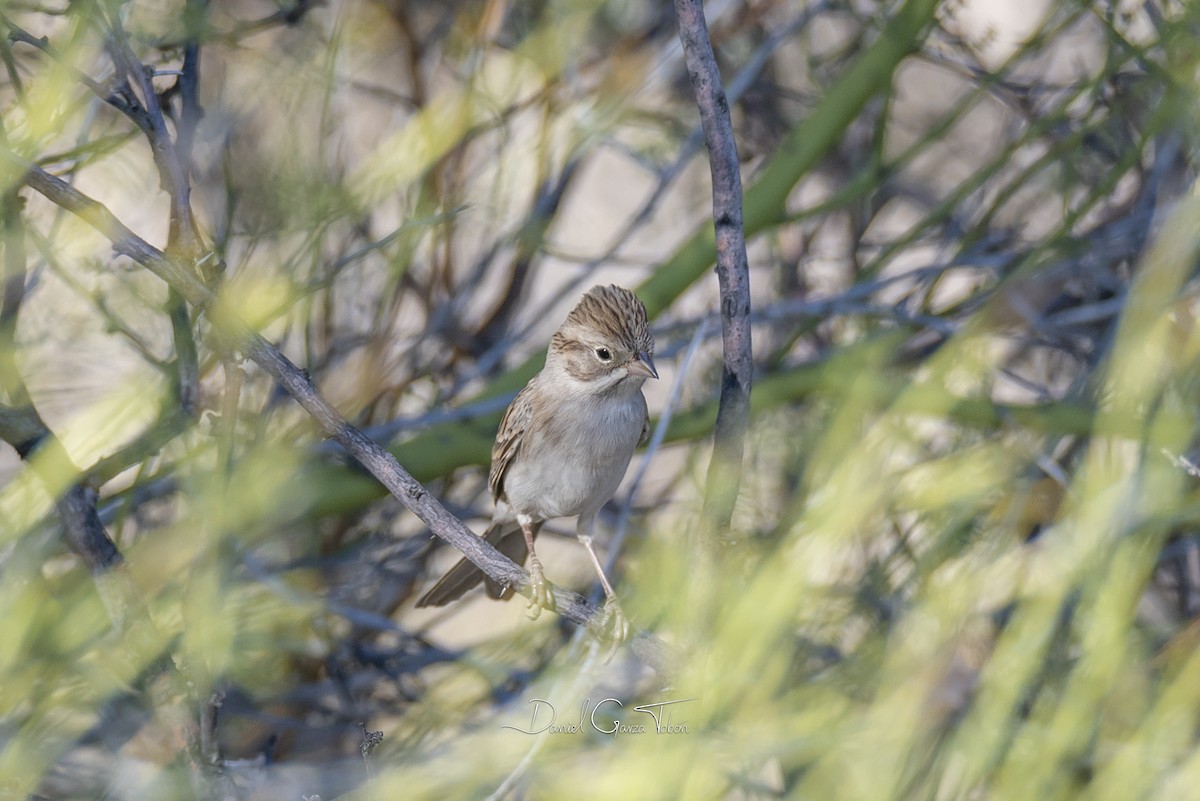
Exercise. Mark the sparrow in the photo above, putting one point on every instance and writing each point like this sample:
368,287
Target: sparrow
564,444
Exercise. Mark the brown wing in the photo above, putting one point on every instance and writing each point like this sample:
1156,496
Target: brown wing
508,440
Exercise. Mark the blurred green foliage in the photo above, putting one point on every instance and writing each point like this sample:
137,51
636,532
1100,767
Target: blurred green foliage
962,564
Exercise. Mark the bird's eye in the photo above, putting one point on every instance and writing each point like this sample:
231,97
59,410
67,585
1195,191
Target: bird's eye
603,354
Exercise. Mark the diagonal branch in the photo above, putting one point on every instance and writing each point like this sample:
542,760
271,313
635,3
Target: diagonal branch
296,383
116,96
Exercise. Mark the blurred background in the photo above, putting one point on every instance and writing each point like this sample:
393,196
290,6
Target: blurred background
962,563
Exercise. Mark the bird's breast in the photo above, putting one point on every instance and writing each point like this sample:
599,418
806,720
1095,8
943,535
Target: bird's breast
574,460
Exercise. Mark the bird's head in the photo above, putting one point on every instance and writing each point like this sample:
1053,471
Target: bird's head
605,341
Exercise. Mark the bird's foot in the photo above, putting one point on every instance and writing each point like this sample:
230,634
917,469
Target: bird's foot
540,597
614,621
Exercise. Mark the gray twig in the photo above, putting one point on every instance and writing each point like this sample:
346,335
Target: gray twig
733,269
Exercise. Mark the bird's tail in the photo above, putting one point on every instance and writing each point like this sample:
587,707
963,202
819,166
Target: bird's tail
508,540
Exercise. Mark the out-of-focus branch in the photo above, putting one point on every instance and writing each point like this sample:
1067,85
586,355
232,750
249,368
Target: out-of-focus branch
118,97
190,111
135,97
171,168
173,159
528,243
296,383
733,269
14,296
22,427
185,236
803,148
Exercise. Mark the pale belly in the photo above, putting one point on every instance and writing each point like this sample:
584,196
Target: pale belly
578,467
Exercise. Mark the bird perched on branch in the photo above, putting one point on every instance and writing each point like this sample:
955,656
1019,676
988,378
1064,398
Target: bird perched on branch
565,441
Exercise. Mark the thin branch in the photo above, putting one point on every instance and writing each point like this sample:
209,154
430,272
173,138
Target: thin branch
15,275
210,747
733,269
173,159
117,97
370,741
173,172
190,112
227,429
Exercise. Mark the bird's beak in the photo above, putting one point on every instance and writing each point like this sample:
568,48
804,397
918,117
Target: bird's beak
642,365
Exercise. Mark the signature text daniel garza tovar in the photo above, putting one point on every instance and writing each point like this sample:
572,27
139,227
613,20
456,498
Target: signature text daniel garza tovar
661,712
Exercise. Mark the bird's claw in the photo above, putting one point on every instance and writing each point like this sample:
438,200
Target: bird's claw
540,595
614,620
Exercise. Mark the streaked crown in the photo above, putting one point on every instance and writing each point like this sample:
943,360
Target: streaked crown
612,312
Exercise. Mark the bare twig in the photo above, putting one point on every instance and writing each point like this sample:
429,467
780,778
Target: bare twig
115,98
1182,462
173,159
190,111
171,167
733,270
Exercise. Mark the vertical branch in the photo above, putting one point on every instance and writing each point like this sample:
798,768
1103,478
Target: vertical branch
227,430
190,111
188,361
370,741
173,159
12,232
733,270
14,296
182,237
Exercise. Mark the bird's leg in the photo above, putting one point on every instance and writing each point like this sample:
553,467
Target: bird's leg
540,595
613,614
